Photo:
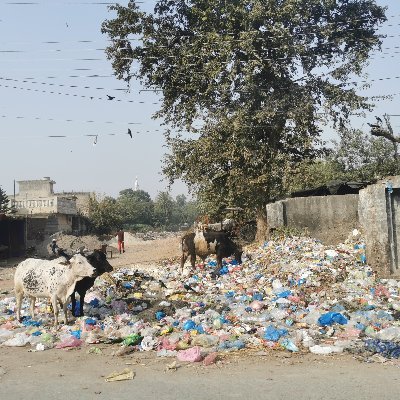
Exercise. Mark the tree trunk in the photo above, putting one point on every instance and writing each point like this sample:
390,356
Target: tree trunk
262,226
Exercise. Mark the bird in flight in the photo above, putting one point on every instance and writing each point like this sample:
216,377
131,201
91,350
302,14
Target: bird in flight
111,97
130,133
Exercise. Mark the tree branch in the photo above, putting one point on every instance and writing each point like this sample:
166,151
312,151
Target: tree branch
385,134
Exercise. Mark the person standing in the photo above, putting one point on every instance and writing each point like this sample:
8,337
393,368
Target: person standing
53,246
120,235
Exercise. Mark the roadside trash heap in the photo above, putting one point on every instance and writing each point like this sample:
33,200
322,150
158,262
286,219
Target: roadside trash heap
292,294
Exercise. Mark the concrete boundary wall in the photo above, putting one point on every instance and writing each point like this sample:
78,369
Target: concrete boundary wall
379,209
375,211
327,218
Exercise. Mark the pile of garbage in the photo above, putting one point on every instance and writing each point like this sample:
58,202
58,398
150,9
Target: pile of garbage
292,294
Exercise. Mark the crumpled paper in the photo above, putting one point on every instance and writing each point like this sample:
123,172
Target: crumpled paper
126,374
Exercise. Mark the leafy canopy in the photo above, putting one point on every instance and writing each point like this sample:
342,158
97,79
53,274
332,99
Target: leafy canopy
357,156
244,84
135,210
103,214
135,207
4,202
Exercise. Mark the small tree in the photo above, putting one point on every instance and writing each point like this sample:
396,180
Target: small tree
366,158
163,209
136,207
4,207
104,215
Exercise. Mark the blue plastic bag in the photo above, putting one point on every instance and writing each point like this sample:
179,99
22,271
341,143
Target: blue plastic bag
273,334
189,325
331,318
160,315
284,294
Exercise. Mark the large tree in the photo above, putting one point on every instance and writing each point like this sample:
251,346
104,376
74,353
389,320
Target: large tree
244,83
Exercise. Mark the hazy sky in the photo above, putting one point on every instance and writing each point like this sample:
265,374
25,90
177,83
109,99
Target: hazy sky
32,67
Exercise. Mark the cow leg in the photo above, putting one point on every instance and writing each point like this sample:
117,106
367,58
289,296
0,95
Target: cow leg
19,294
183,260
193,260
216,272
73,304
219,262
81,301
55,309
65,308
32,306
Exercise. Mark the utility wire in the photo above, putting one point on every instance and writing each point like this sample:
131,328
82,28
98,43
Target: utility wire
70,120
2,78
73,94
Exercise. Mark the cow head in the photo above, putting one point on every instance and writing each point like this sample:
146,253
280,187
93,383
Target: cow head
99,261
81,266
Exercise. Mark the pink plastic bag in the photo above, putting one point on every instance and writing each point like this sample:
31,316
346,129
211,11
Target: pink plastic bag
210,359
71,341
191,355
166,344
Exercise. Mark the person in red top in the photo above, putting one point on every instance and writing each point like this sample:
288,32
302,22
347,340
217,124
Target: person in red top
120,235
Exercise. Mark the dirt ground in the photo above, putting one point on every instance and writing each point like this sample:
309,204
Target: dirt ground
78,374
137,252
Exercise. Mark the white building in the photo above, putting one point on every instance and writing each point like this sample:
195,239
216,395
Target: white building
50,212
38,197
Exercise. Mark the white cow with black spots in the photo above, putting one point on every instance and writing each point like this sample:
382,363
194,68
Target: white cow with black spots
54,279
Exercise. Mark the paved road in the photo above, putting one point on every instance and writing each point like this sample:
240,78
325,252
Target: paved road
74,374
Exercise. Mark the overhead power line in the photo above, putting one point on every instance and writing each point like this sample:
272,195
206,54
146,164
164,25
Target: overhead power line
69,120
2,78
73,94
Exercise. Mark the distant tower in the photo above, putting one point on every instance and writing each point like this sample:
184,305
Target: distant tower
136,187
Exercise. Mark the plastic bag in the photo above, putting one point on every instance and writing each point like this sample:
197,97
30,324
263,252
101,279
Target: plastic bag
317,349
190,355
210,359
70,341
274,334
331,318
19,340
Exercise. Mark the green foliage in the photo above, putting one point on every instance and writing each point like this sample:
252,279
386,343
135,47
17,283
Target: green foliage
163,209
366,158
136,211
4,207
357,156
138,228
104,215
312,174
244,84
172,214
135,207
